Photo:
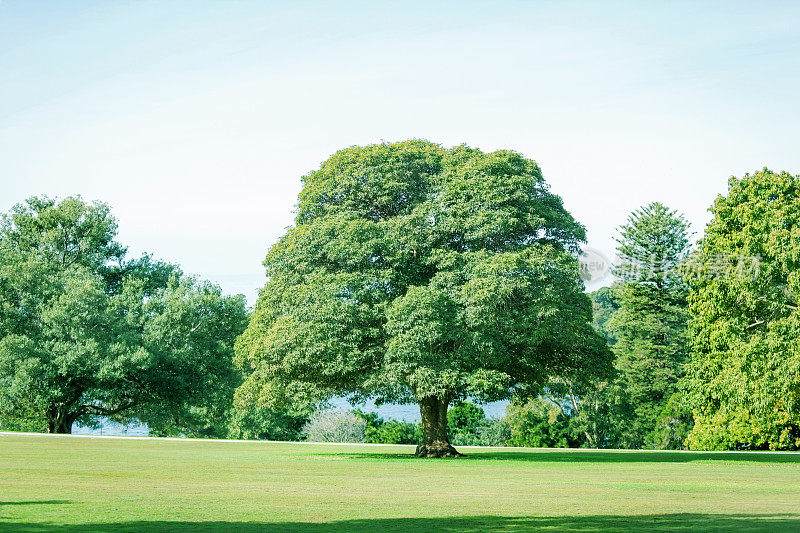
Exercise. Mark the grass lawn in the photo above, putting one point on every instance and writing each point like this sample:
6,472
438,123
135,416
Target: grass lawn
86,484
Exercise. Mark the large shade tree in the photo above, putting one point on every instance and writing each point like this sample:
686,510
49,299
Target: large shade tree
744,374
86,333
415,273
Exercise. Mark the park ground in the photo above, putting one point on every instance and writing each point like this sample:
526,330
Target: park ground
73,484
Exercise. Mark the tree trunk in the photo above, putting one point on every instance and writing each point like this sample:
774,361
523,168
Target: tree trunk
65,426
58,422
435,438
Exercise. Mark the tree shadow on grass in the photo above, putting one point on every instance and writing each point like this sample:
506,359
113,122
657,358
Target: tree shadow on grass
575,524
594,456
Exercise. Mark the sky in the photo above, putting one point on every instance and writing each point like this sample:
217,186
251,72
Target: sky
196,120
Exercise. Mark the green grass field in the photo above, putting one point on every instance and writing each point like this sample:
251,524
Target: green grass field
85,484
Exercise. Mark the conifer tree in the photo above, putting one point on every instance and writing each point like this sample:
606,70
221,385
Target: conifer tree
650,324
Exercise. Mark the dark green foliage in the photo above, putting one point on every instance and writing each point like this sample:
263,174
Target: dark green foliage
465,417
597,409
539,423
604,305
597,412
21,414
650,324
465,421
643,317
415,273
261,423
379,431
84,333
396,432
673,425
743,381
469,426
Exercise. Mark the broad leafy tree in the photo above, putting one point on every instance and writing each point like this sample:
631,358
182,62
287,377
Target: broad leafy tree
189,329
415,273
744,375
85,333
650,324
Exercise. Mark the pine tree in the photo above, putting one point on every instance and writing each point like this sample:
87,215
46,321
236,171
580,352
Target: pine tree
650,325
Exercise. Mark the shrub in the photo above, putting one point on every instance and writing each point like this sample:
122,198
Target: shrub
27,416
397,432
262,423
494,432
464,421
738,430
469,426
539,424
378,431
335,425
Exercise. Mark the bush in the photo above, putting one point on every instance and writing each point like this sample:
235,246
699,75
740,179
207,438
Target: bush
378,431
464,421
539,424
469,426
261,423
465,417
397,432
494,432
335,425
738,430
27,416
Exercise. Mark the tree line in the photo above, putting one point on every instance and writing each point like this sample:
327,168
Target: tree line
705,337
419,274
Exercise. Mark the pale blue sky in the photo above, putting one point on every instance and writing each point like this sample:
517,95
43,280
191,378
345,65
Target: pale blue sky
196,120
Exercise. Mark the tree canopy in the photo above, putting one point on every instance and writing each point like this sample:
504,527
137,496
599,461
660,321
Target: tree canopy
744,374
415,273
86,333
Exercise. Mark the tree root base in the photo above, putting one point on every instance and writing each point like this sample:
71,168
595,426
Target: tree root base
437,450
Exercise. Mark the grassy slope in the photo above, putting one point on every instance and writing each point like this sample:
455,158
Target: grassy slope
78,484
